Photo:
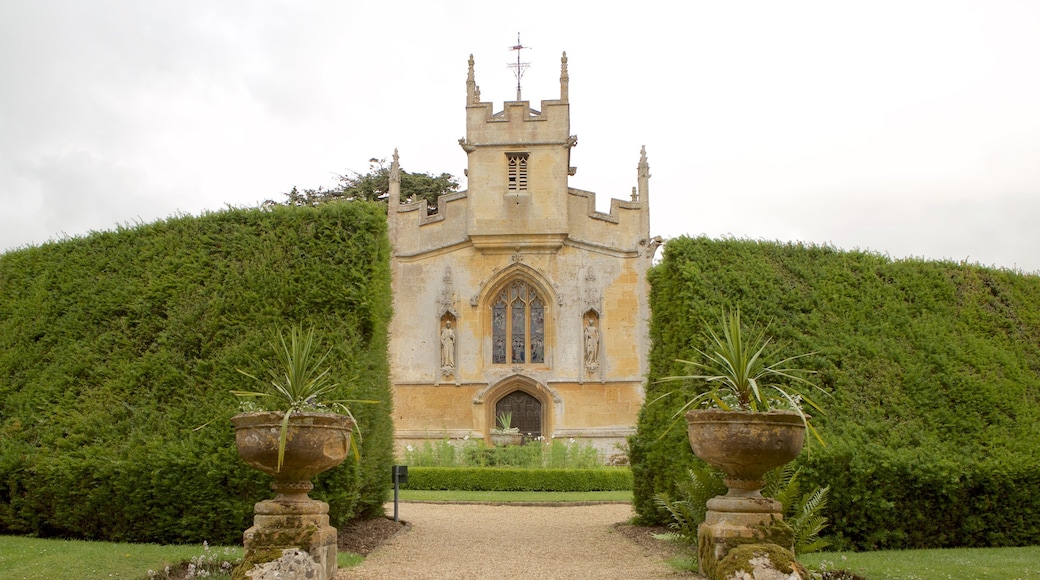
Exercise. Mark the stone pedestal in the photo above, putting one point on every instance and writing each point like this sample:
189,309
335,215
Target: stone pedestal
736,521
283,523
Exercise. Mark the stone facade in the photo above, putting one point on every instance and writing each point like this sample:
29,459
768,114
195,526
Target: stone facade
517,295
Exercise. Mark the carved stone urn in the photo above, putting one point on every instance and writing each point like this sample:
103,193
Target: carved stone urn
500,438
744,446
315,442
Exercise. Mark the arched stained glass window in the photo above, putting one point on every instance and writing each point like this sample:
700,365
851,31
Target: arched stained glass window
518,325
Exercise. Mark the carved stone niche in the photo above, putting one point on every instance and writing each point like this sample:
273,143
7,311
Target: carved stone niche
447,329
592,342
448,340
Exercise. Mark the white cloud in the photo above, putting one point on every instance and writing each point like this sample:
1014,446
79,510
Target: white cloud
909,128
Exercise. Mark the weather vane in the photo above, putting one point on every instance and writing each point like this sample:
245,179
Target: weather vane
519,67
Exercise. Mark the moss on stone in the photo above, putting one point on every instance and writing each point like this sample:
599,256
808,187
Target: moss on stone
778,533
254,558
268,543
285,537
739,560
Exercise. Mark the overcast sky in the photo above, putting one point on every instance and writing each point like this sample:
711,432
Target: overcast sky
908,128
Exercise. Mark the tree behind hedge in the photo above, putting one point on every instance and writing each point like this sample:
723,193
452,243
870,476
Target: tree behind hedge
934,370
118,351
375,186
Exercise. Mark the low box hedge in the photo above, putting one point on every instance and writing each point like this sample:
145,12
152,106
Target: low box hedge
515,479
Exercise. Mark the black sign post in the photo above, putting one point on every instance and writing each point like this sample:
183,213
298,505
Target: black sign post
400,475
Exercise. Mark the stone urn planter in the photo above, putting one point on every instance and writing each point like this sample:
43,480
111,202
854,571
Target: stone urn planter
744,446
504,433
314,443
503,439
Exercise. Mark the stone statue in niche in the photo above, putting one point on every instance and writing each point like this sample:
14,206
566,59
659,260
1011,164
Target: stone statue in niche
447,348
592,345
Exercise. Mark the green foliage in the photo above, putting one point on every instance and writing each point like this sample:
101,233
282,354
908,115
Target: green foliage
519,497
802,511
744,376
518,479
297,382
933,370
553,453
689,509
375,186
118,350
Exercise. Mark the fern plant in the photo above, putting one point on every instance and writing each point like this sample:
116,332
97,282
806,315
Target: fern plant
689,510
802,511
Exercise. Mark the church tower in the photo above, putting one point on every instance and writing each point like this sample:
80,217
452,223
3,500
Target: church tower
517,296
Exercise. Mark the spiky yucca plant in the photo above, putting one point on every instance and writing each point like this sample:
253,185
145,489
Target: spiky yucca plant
744,373
297,384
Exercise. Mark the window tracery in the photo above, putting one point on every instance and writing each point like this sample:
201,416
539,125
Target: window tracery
518,325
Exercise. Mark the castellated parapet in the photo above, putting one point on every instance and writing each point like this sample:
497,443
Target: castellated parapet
517,295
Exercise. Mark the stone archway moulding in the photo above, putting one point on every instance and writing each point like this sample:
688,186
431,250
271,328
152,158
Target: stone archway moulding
502,387
552,403
512,272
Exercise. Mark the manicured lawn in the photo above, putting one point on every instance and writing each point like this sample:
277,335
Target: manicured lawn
955,564
36,559
515,496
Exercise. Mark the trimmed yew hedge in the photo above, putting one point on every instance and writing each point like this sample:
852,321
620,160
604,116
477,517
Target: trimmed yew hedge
517,479
118,352
933,370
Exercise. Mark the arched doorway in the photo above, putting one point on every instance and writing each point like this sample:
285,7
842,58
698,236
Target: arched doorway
526,411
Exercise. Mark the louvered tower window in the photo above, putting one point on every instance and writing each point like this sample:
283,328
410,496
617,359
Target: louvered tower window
517,171
518,325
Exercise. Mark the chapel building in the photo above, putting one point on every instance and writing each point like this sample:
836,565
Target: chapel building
517,296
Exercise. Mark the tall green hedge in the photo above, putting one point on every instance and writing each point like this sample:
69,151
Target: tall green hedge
934,373
118,351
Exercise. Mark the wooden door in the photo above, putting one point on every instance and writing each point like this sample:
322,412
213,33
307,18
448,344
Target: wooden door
526,411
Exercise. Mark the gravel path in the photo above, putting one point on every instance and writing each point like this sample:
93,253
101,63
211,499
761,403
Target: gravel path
468,542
